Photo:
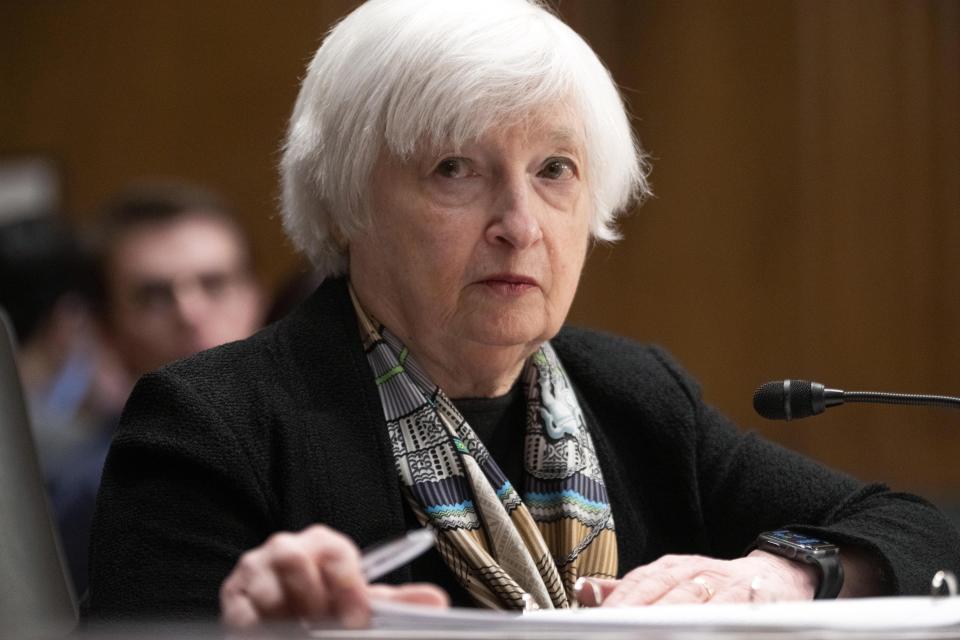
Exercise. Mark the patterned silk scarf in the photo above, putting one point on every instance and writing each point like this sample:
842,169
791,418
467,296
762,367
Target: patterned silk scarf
503,548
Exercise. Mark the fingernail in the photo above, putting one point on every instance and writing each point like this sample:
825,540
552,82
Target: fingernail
578,586
581,586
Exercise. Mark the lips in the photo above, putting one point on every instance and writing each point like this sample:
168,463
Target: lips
509,283
511,278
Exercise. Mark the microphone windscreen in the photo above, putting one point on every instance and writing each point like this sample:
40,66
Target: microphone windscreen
785,400
768,401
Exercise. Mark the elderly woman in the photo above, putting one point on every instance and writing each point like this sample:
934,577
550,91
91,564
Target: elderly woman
448,164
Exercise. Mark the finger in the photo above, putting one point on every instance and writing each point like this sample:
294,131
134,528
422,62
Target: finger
698,590
265,593
678,566
236,609
736,593
299,576
669,563
753,591
294,562
347,590
337,556
414,593
252,585
320,570
312,574
592,592
350,605
344,587
642,590
647,584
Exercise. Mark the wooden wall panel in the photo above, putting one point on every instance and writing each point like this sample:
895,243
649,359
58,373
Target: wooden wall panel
120,90
806,219
806,158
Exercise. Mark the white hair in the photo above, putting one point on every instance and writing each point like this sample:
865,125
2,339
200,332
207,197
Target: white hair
396,73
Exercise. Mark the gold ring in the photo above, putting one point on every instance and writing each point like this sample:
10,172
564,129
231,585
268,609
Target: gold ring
700,580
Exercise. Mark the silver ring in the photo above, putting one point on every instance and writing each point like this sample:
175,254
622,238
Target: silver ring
755,589
700,580
941,579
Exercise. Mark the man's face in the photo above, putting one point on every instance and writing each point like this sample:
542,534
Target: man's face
179,287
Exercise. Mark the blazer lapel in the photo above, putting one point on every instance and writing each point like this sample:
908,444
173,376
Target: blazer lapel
362,495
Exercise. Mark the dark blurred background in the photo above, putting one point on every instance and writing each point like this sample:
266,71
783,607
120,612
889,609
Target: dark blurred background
806,164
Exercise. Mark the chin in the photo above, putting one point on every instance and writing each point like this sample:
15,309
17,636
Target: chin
505,330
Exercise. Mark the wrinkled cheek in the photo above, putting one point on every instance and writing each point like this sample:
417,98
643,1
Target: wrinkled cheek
565,287
571,258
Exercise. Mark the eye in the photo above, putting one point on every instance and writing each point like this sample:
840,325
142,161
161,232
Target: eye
558,169
153,295
454,168
215,284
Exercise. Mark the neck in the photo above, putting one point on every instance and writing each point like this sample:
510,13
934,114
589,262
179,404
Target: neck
461,367
472,371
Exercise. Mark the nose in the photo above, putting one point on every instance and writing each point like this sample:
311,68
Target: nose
514,222
190,304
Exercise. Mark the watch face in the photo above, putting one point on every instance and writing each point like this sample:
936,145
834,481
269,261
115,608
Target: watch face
798,542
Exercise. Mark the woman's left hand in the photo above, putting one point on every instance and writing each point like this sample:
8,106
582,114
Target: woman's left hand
685,579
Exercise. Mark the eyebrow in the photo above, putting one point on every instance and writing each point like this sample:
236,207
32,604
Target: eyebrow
566,137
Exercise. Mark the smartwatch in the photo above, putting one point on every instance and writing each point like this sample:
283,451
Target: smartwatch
802,548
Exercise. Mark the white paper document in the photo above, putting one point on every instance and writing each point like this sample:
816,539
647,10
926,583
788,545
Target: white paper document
864,615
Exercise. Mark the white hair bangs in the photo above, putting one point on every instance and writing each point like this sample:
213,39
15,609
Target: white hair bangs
397,74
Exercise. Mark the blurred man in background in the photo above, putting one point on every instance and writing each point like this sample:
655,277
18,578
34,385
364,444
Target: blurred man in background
175,274
170,273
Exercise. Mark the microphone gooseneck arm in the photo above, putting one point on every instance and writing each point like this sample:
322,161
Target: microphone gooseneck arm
916,399
794,399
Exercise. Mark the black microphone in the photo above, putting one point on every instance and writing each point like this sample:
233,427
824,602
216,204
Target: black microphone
795,399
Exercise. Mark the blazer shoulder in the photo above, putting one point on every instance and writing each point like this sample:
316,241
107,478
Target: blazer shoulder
317,340
308,367
613,367
229,368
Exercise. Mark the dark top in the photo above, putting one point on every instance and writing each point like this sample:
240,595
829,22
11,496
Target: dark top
500,423
285,429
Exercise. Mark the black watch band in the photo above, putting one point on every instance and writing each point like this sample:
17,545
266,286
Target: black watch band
802,548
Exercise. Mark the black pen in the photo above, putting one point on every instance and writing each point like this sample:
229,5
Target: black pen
384,557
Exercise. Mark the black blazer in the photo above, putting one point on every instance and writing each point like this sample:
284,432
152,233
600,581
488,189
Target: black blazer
285,429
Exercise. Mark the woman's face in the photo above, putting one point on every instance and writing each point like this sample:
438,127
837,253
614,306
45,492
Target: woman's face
481,247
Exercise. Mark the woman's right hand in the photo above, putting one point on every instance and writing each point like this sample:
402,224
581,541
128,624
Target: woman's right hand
315,575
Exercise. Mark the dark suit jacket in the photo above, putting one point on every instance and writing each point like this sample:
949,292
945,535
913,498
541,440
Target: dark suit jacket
285,429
